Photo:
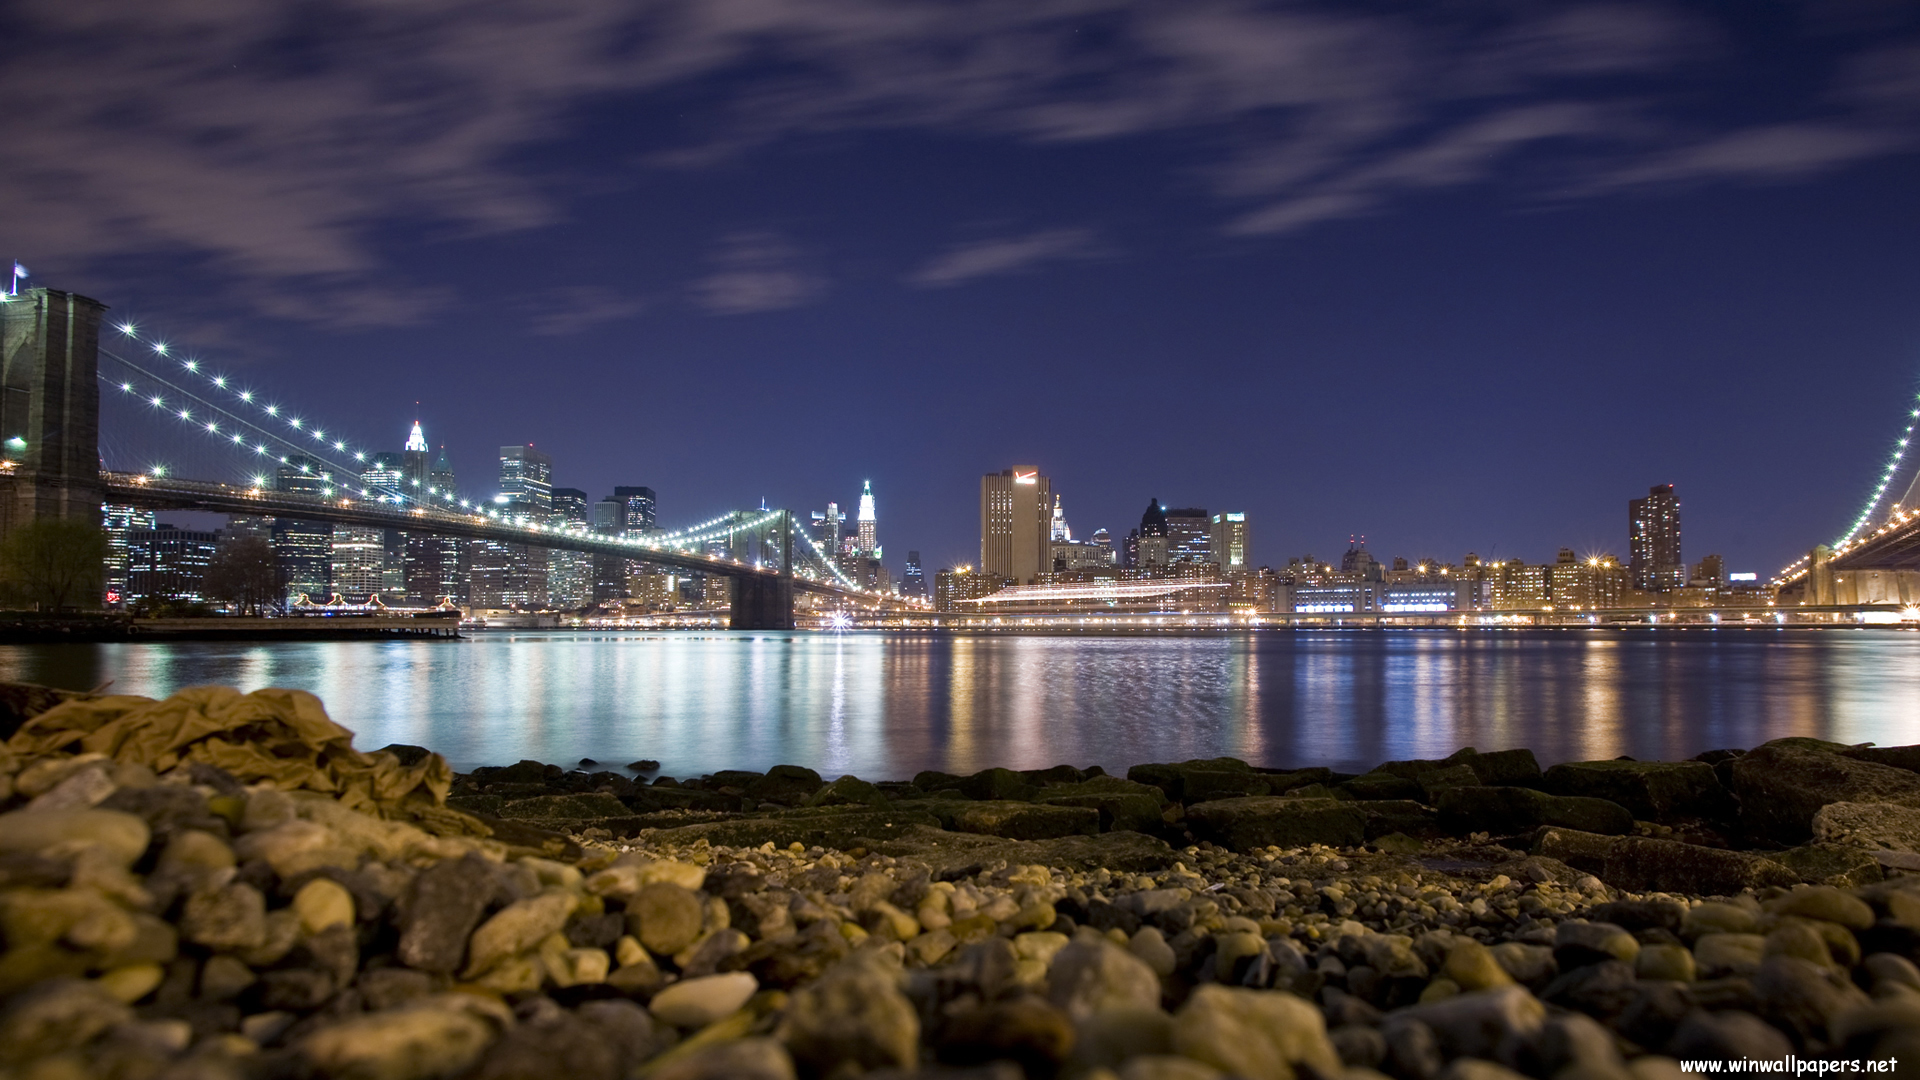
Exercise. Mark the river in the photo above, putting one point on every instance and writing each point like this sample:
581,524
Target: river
887,705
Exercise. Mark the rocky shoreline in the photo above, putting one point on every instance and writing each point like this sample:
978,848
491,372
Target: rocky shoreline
219,885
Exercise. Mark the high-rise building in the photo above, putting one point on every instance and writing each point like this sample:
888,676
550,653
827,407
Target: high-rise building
1654,541
359,562
570,573
867,525
385,476
824,528
1015,523
914,581
1059,532
440,475
1230,540
436,566
304,549
119,521
1152,547
167,562
415,469
515,575
526,479
640,509
1189,535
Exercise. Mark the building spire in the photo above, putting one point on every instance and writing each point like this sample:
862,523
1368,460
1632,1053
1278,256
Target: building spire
416,440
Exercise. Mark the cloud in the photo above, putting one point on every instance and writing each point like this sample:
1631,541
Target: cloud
756,272
1005,255
273,142
573,309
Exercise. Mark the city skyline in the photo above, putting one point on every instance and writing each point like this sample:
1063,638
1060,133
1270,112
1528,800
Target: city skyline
1454,282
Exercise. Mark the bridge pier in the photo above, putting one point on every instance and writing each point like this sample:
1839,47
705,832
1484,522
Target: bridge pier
49,408
761,603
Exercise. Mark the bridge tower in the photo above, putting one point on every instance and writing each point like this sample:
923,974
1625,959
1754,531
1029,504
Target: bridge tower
49,407
762,601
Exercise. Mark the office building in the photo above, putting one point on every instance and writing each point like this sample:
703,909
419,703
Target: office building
302,548
1228,544
1189,535
1577,584
1653,526
1015,522
168,563
951,587
119,521
359,562
384,478
914,581
1149,543
416,471
823,528
1060,533
570,574
515,575
638,509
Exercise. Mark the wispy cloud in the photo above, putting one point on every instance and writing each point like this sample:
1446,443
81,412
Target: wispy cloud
573,309
272,142
1005,255
756,272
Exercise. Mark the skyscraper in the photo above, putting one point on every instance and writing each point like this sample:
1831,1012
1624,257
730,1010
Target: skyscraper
914,581
168,562
1230,540
416,472
1151,546
641,509
1015,509
1060,534
866,524
119,521
1189,535
826,529
1653,540
570,573
303,549
505,574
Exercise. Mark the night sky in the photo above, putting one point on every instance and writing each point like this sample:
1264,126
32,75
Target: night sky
1459,277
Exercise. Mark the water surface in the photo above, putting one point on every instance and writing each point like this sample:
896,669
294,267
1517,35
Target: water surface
886,705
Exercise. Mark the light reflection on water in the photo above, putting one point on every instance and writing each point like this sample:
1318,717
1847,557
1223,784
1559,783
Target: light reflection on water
888,705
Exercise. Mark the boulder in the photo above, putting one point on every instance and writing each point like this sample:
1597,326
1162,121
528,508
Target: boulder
1782,785
988,784
788,785
1508,810
1868,826
1025,821
1641,863
1138,813
848,791
1206,779
1382,787
1832,864
828,826
1650,790
1405,816
1900,757
565,808
1246,823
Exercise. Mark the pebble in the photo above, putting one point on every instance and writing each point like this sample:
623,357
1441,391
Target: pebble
1253,1034
321,903
1092,974
1672,962
1150,946
665,917
695,1003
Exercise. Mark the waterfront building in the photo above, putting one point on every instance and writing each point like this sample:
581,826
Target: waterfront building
119,521
1654,540
1229,541
1015,522
1516,586
1359,563
167,562
951,586
866,524
1189,535
1595,582
914,581
1708,573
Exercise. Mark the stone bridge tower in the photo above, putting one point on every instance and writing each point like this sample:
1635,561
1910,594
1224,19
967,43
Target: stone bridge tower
49,407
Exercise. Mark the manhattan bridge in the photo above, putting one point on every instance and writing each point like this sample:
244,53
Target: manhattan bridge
59,355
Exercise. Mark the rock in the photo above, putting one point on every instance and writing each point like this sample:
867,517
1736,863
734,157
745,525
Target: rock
1782,787
1092,974
1669,962
1026,821
988,785
1243,824
1637,915
123,835
556,1045
1532,965
1359,1044
788,785
441,908
1643,864
1802,997
665,917
83,788
232,917
848,791
1403,817
1576,944
1650,790
1719,955
1473,1025
1874,826
740,1059
1604,989
839,827
1831,864
1122,804
518,927
1413,1051
1719,917
1151,947
1472,966
1824,902
1728,1034
57,1015
437,1037
1023,1029
1253,1034
587,806
695,1003
1204,780
1167,1067
1507,810
321,903
1433,782
1383,786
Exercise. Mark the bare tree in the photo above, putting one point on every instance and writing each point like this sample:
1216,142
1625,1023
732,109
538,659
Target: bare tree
242,572
54,563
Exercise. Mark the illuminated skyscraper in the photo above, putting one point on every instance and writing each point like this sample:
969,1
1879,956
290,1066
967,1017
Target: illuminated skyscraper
1229,547
304,549
865,524
1015,520
1654,541
570,573
119,521
1060,534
